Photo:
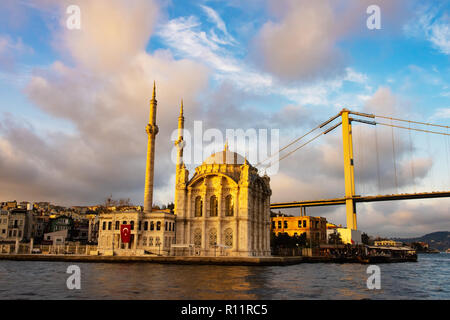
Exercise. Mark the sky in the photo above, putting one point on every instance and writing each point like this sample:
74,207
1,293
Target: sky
74,103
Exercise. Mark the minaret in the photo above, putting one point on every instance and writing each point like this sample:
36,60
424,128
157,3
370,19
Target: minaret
180,142
152,131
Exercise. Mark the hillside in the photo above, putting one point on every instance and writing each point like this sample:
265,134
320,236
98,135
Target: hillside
437,240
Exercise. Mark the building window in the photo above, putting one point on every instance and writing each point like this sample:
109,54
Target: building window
273,224
140,225
109,225
145,225
165,226
304,223
150,241
157,241
212,237
144,241
285,225
152,226
197,237
117,225
198,206
229,207
213,206
158,225
124,222
132,225
279,224
20,233
104,225
229,237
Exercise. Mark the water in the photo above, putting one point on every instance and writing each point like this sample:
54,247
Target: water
426,279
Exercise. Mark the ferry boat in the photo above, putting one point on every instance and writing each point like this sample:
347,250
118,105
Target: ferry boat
376,254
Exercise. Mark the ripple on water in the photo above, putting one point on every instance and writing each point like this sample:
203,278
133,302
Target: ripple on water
426,279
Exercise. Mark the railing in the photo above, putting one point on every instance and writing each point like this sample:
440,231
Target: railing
24,248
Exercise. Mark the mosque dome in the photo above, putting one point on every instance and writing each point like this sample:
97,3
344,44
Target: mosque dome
225,157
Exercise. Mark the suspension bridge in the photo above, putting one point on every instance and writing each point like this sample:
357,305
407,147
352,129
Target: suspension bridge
350,199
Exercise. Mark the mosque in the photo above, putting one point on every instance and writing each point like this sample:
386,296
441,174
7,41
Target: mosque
223,209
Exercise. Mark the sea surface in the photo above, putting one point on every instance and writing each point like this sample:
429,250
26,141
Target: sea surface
429,278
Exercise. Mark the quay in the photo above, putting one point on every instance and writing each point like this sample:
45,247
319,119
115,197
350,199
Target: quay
203,260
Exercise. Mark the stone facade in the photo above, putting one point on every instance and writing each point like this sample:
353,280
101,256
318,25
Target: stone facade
151,232
225,205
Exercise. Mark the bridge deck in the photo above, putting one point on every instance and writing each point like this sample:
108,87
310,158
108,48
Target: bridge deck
341,201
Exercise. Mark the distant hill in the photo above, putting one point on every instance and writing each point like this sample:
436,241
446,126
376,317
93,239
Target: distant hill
437,240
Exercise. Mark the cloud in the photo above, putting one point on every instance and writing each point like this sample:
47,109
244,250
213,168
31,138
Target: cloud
431,25
108,106
9,50
301,42
442,113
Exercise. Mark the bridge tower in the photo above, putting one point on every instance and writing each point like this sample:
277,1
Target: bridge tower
349,169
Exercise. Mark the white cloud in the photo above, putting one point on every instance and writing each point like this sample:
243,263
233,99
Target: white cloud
442,113
434,27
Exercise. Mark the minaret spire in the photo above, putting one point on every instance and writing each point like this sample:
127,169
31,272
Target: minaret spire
180,142
152,131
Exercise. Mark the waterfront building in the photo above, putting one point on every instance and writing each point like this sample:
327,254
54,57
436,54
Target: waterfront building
38,227
57,237
388,243
315,228
15,225
152,231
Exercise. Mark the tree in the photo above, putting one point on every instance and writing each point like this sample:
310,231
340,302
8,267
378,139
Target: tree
284,240
335,238
365,238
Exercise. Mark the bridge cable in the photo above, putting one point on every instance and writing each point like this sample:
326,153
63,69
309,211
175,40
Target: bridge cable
299,147
361,135
410,121
394,158
429,155
413,129
288,145
447,149
378,161
412,160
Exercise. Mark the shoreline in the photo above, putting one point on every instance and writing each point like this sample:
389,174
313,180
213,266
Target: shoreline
231,261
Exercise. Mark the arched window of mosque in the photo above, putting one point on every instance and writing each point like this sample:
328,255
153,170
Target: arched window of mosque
152,226
158,225
145,225
197,237
212,237
132,225
198,206
144,241
150,241
229,207
213,204
229,237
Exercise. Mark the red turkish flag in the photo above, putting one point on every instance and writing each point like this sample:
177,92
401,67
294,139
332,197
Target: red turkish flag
125,233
